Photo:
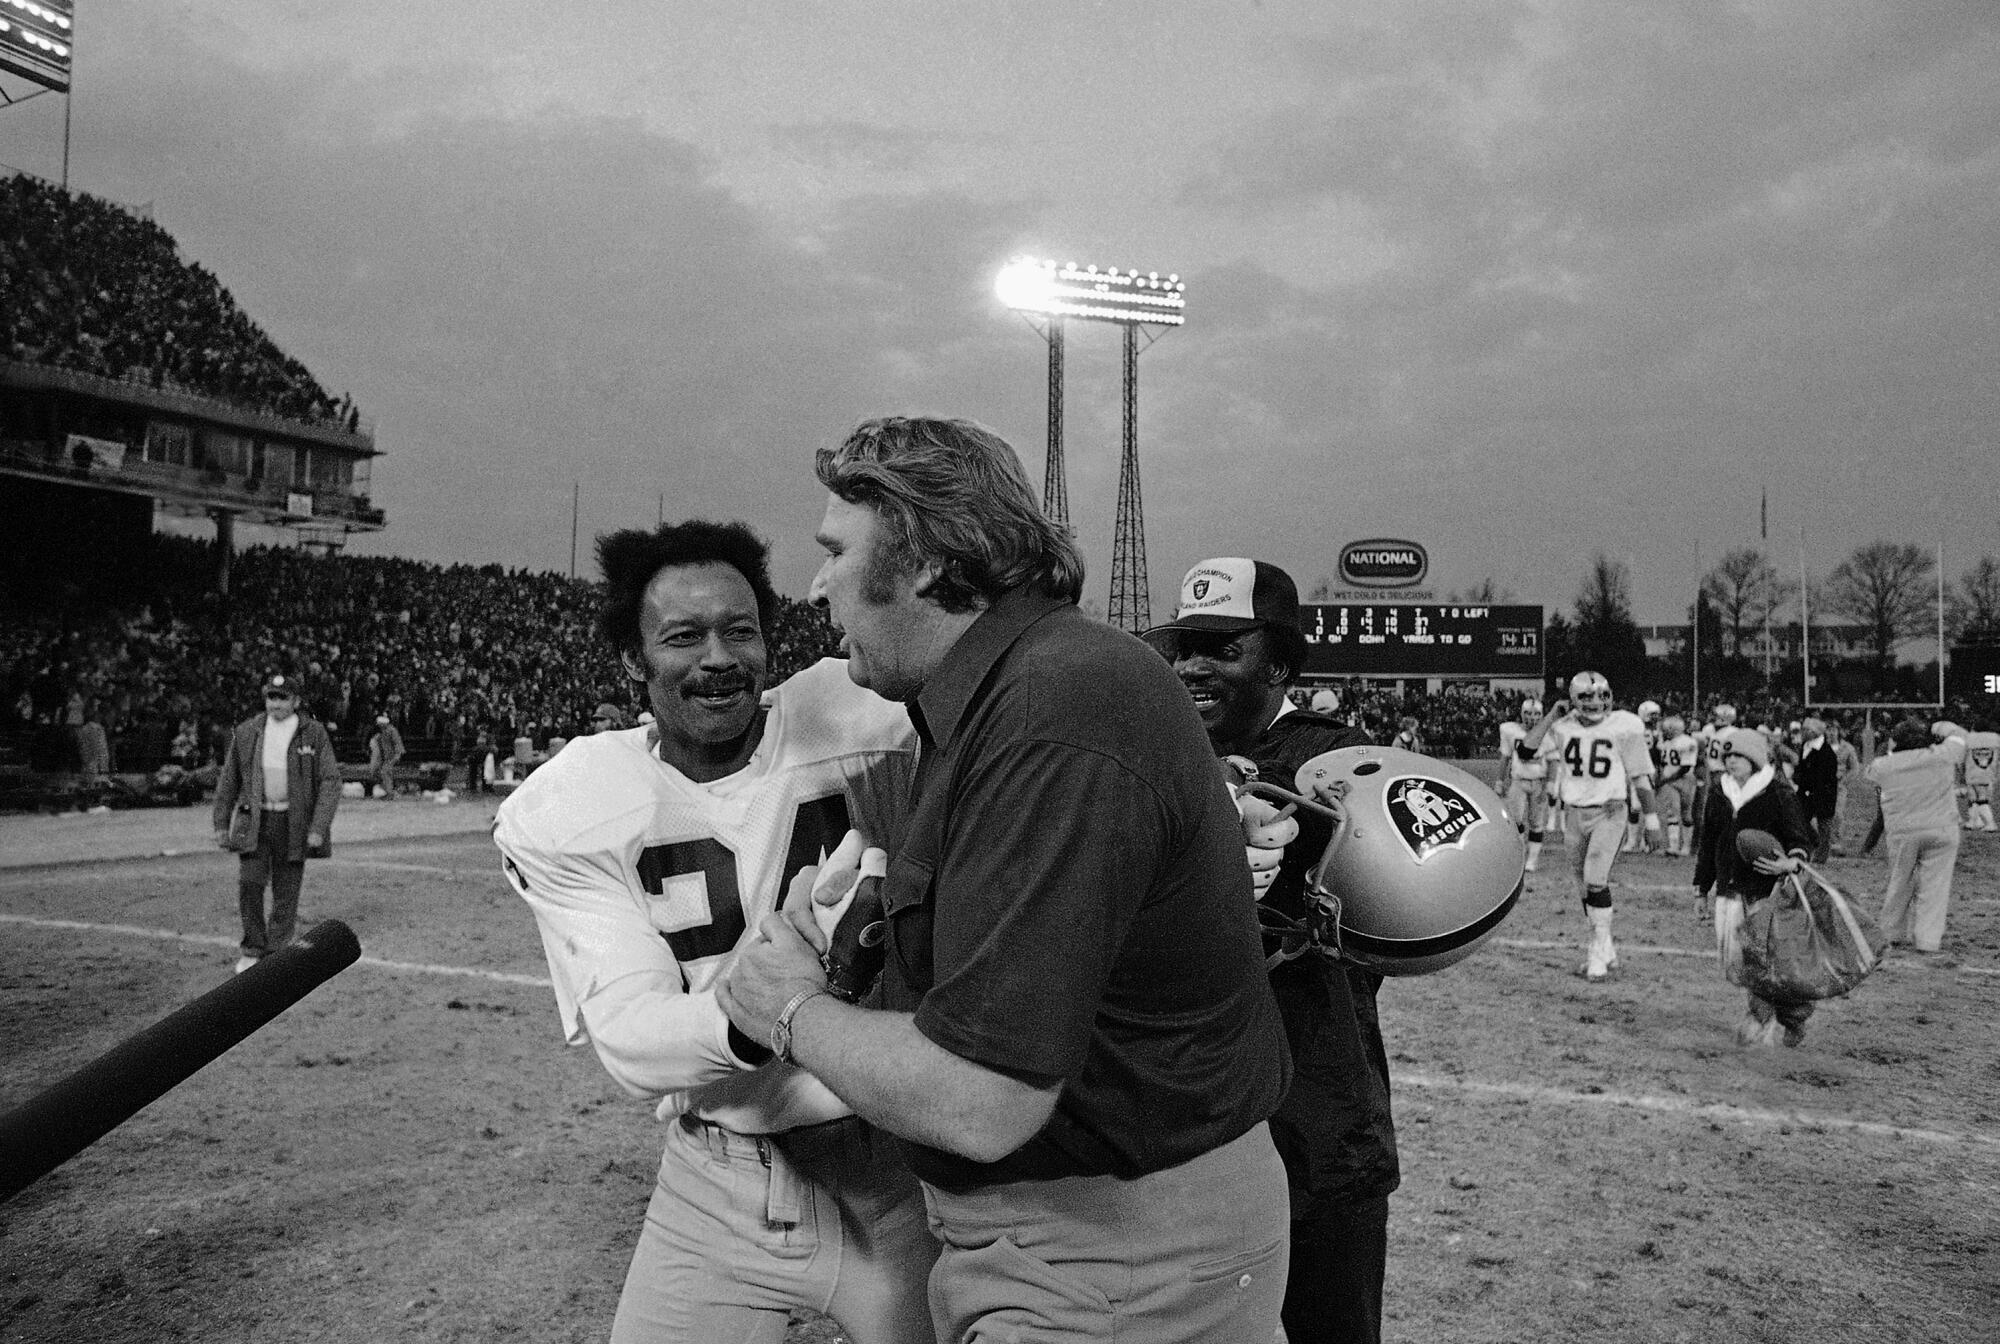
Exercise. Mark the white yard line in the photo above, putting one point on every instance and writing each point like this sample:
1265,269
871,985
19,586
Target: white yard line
1528,1092
1744,1115
477,873
214,940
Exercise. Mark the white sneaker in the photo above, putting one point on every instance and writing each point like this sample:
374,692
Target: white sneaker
244,963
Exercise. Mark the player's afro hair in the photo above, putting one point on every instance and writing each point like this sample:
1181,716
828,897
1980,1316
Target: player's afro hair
628,560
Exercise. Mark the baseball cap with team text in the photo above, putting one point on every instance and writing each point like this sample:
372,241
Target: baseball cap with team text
1235,594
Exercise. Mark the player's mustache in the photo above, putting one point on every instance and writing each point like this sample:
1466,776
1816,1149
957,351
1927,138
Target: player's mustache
723,685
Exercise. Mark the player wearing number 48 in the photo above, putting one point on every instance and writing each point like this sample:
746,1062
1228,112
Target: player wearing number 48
645,854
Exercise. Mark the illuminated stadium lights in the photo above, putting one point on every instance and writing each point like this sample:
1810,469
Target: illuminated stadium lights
1108,295
35,40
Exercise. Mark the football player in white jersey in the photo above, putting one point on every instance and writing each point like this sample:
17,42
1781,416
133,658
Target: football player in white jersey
1708,767
1982,768
1636,838
645,854
1597,760
1527,781
1677,753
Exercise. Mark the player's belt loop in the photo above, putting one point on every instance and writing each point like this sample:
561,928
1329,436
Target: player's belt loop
781,1198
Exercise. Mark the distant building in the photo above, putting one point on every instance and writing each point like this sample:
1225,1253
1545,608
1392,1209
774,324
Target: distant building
1782,643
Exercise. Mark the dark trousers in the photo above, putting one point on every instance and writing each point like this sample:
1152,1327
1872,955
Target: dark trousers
1822,830
1339,1254
267,865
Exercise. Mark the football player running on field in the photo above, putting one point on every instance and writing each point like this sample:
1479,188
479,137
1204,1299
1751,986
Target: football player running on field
1527,781
1599,758
646,854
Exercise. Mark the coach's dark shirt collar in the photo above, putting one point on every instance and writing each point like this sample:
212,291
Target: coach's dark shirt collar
940,706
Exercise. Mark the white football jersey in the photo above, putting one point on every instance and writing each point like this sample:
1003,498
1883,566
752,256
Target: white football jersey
644,882
1711,739
1511,734
1677,756
1596,763
1981,751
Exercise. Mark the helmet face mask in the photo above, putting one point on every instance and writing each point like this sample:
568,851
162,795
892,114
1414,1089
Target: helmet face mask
1649,711
1590,696
1531,709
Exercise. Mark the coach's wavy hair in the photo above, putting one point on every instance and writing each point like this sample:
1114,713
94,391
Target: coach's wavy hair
953,493
630,558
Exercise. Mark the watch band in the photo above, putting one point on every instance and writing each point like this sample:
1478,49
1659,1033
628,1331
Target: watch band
781,1030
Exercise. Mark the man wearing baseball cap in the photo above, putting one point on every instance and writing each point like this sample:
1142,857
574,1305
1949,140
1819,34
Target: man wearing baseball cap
1236,643
274,804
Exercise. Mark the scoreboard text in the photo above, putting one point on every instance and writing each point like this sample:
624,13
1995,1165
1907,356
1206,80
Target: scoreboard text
1974,677
1406,640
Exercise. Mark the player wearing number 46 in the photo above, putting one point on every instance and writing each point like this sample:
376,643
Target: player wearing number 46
1597,758
645,854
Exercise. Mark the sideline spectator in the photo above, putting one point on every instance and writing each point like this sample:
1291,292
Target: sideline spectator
1816,777
385,749
1848,762
1919,786
274,806
1750,793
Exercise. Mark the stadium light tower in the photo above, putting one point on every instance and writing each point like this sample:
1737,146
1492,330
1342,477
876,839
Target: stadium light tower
1131,300
35,41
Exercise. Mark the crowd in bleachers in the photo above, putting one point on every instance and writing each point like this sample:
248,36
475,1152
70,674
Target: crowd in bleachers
90,287
443,651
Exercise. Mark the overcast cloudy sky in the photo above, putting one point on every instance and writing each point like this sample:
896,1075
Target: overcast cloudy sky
1517,281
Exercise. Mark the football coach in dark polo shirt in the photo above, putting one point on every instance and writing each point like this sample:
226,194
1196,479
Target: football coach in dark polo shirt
1074,1035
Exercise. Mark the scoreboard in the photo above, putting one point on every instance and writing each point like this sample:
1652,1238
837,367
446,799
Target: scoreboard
1973,675
1406,640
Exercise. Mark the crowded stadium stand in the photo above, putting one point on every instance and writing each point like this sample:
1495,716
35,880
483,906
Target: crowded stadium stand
445,652
130,382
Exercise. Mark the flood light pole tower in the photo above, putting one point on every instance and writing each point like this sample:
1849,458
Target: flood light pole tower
35,41
1133,301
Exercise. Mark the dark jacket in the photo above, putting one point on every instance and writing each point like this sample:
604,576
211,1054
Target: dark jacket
1334,1129
1817,778
312,785
1776,810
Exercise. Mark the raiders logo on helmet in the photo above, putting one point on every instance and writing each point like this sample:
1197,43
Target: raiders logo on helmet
1429,815
1424,865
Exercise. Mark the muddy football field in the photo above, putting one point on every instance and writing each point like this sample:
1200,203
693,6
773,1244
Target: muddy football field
410,1153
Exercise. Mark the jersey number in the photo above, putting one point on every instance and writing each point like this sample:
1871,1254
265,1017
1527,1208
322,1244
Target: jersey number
816,829
1599,766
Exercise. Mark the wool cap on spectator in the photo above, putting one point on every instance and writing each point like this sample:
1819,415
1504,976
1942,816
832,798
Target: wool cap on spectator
1749,744
280,684
1231,594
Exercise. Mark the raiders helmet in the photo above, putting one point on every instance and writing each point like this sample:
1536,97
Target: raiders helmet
1531,710
1424,863
1649,711
1590,696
